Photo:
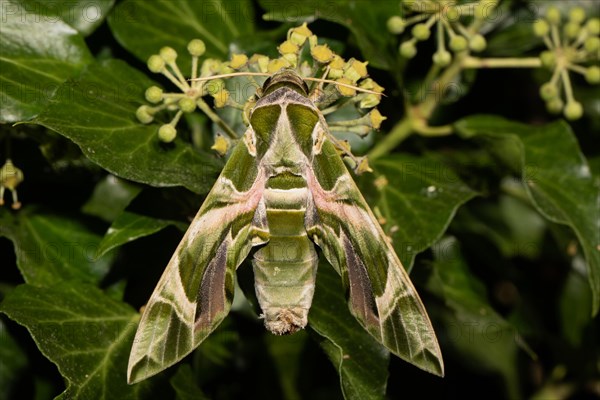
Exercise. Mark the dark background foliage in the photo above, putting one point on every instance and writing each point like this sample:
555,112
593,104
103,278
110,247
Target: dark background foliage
500,249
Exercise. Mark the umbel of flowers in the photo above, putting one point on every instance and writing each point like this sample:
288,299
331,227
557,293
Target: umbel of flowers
301,51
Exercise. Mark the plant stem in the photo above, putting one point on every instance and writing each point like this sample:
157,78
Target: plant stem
399,132
216,119
475,62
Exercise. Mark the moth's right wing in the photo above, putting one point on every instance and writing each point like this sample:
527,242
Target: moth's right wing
194,293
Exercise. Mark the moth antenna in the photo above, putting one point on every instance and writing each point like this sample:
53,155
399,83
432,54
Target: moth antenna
321,80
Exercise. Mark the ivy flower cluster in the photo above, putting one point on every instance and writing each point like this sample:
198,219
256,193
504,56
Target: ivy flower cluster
573,43
10,178
300,51
451,33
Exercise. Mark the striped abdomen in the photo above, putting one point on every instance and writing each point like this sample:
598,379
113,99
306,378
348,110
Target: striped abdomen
285,268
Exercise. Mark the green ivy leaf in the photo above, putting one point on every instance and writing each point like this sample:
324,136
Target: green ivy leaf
85,333
418,202
14,361
97,111
482,337
129,227
37,55
83,15
143,27
366,21
185,384
110,197
555,174
52,248
361,362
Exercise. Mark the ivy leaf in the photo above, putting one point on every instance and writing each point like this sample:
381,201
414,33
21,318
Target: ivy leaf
555,174
83,15
129,227
110,197
366,21
97,111
481,336
185,384
85,333
14,361
361,362
418,199
37,55
143,27
52,248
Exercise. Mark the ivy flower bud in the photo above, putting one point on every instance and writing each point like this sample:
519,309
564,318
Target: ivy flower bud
370,100
477,43
354,70
573,110
541,27
548,58
548,91
288,47
577,15
571,29
156,63
167,133
593,26
376,118
396,25
238,61
408,49
221,97
277,64
196,47
553,15
458,43
221,145
153,94
144,115
592,44
299,35
187,105
451,14
421,32
168,54
555,105
345,90
322,53
442,58
592,75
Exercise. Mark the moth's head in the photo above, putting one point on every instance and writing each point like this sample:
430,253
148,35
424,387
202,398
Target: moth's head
285,78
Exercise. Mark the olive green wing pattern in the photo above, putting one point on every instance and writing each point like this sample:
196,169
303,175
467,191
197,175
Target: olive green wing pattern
195,292
381,295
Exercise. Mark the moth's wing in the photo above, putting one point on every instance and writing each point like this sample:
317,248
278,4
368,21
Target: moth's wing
381,295
194,293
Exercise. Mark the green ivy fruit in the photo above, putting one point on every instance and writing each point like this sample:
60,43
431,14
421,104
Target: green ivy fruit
553,15
541,28
154,94
421,32
477,43
442,58
548,91
577,15
593,26
196,47
573,110
548,58
396,25
458,43
408,49
592,75
555,106
187,105
592,44
572,29
167,133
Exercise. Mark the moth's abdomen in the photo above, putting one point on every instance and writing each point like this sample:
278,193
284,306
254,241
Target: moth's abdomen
285,268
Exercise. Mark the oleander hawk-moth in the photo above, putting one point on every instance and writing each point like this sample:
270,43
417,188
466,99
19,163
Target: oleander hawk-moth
283,190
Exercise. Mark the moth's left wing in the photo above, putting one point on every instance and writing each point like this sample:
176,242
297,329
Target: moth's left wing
194,293
381,295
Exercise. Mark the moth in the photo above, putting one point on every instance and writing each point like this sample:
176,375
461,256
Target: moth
283,193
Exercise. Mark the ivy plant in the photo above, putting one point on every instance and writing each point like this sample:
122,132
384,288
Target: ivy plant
481,163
